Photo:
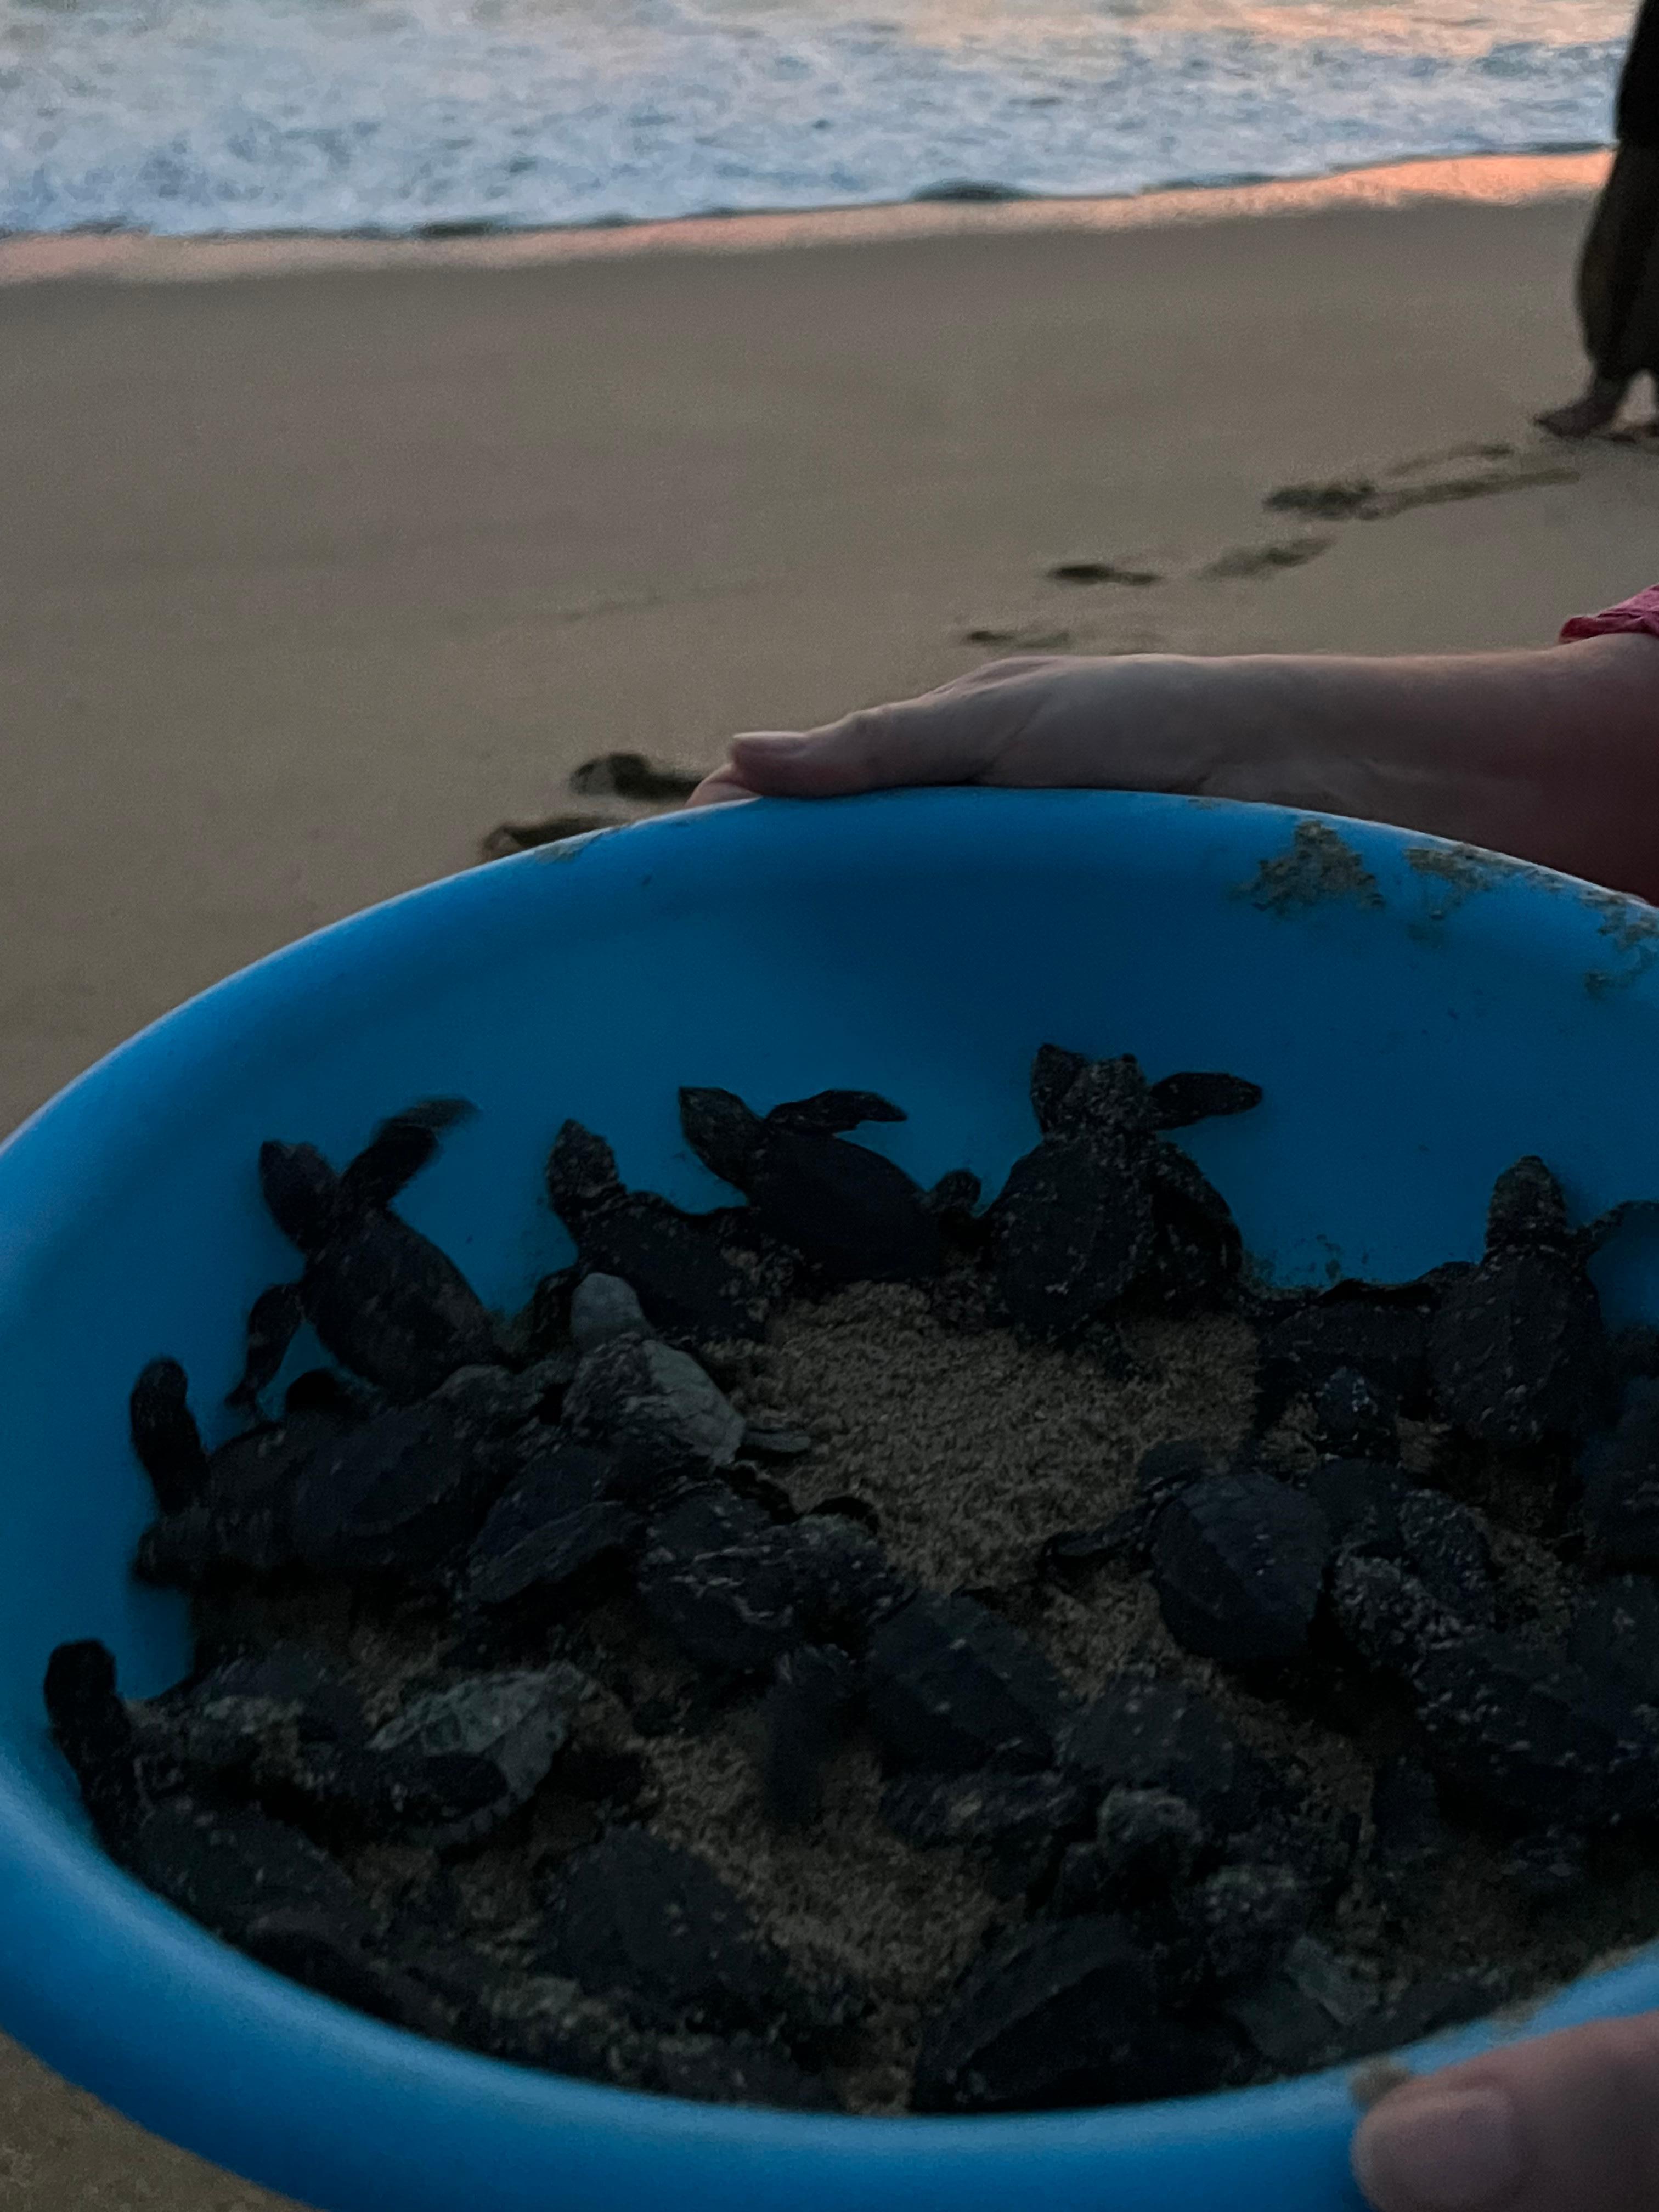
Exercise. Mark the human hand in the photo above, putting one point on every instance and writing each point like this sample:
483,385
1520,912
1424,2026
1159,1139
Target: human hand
1552,753
1142,722
1568,2123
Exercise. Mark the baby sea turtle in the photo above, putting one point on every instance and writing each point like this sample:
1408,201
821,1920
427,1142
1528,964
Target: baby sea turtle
652,1927
235,1512
1018,1822
604,1307
954,1688
549,1557
1387,1615
717,1575
1239,1563
853,1215
1517,1351
1375,1512
1072,1555
1445,1546
1146,1842
1141,1733
1534,1738
1056,2013
657,1414
1375,1331
700,1278
1356,1418
231,1868
403,1491
1309,2011
279,1722
1243,1918
456,1762
1102,1202
736,1590
383,1299
326,1950
1510,1724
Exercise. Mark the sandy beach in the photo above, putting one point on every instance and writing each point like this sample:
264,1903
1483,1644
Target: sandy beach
322,559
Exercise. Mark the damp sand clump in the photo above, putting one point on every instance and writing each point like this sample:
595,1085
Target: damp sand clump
869,1649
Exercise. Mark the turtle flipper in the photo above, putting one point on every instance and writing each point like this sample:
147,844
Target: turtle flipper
832,1113
1595,1234
301,1193
1054,1072
1191,1095
165,1435
272,1326
90,1723
958,1193
398,1150
721,1131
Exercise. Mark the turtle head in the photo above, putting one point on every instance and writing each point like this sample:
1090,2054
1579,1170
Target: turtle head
79,1685
1054,1072
1108,1098
301,1191
722,1132
581,1173
1528,1212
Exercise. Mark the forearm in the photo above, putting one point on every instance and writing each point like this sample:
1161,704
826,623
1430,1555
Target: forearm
1553,755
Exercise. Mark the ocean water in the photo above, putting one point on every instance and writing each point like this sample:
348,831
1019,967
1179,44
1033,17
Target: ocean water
191,116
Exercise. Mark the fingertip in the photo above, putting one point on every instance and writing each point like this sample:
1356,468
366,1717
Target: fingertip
763,758
719,789
1563,2122
1440,2148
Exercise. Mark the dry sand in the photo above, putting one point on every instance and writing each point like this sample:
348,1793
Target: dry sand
308,580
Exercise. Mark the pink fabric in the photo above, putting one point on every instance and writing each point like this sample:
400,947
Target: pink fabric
1640,613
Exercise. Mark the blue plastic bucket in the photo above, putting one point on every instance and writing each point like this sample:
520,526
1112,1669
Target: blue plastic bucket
1418,1014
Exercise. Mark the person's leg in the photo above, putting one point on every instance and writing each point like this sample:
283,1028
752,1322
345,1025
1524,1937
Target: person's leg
1593,410
1616,291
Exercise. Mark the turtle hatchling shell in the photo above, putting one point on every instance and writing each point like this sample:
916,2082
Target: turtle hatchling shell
1238,1563
515,1723
659,1414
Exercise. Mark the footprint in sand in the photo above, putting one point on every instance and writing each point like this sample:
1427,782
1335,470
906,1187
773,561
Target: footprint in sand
1101,572
633,775
1268,560
651,787
1029,640
1367,499
509,837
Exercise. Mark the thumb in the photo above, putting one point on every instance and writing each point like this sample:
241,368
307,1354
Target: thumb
1567,2123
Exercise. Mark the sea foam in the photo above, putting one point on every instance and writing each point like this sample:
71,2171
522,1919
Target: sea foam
189,116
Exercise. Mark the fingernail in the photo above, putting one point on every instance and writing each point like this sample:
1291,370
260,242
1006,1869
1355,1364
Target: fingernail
778,743
1445,2150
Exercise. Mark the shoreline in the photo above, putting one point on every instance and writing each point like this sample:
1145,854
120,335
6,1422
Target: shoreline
1481,180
